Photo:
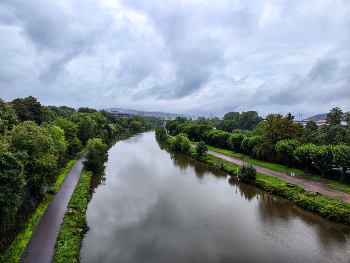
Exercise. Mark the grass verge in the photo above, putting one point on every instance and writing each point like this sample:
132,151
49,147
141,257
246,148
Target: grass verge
340,187
14,252
74,225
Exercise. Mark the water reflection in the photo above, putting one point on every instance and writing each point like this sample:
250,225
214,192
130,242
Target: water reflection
159,206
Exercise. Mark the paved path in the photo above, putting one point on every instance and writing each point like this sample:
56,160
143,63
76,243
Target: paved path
41,245
306,184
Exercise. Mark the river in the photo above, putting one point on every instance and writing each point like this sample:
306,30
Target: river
152,205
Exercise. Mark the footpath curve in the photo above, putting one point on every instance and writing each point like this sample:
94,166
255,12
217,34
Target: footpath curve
306,184
41,245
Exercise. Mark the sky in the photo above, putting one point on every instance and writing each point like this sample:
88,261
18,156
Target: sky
192,57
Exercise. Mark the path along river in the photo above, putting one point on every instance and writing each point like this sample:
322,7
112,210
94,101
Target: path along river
151,205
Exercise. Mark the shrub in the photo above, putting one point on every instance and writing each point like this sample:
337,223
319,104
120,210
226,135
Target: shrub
201,150
96,155
248,173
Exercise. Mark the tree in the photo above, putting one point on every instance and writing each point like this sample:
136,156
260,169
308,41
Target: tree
8,117
248,173
96,155
201,149
322,156
275,128
11,181
303,154
235,141
227,126
341,158
74,145
232,116
181,143
135,125
40,167
286,148
334,117
249,120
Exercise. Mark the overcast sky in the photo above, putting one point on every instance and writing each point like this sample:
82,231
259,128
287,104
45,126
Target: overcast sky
192,56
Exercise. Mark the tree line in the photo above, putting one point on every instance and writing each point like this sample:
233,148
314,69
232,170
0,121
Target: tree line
36,141
277,139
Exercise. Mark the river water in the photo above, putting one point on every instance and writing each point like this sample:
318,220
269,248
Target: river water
152,205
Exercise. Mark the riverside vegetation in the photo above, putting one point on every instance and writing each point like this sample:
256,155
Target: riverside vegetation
36,143
327,207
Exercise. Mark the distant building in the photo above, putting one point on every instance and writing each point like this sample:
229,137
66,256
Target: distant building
193,117
121,114
320,123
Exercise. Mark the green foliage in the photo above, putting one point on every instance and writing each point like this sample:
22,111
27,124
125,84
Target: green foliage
11,182
341,158
303,154
286,148
28,109
181,143
248,173
275,128
87,127
96,155
227,126
334,117
8,117
161,133
201,150
235,141
322,156
249,143
14,252
40,167
249,120
74,225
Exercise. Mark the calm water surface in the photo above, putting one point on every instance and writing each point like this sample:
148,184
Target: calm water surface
151,205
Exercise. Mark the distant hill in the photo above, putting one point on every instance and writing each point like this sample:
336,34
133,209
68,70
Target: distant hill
148,113
317,117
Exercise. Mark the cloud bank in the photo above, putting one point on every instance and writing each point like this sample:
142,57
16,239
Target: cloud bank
195,57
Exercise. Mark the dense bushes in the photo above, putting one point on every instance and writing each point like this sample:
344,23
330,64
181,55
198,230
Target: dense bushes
248,173
96,155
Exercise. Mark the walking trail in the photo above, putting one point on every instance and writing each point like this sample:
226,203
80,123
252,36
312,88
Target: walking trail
41,245
306,184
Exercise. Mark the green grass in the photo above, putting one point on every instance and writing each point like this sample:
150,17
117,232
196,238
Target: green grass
276,167
74,225
340,187
223,151
14,252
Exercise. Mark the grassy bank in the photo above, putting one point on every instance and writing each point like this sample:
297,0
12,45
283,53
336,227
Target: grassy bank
327,207
14,252
74,225
284,169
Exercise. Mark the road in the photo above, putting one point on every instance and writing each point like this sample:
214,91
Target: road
41,245
306,184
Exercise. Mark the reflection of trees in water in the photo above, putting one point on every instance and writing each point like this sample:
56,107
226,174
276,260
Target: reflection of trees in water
97,180
246,190
201,169
274,209
100,177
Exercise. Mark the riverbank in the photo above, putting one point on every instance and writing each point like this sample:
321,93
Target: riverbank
74,224
328,207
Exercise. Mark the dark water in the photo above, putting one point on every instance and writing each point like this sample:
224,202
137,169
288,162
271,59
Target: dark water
152,205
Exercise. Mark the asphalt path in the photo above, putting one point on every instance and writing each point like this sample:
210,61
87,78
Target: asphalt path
306,184
41,245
